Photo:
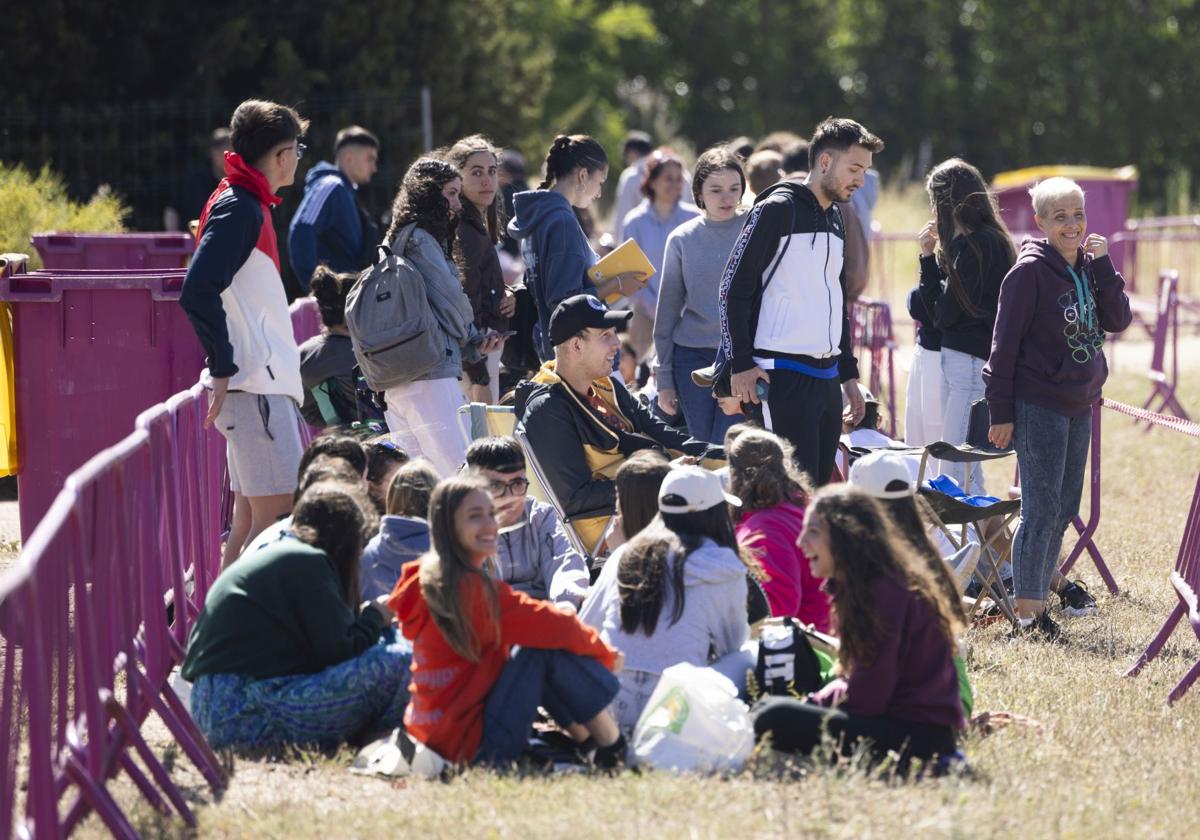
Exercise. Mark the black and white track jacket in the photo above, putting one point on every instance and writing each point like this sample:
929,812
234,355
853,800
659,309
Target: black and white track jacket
803,311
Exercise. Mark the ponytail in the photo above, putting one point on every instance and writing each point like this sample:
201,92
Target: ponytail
570,152
330,290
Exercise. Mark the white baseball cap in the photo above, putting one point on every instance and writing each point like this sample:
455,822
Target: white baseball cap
883,475
689,489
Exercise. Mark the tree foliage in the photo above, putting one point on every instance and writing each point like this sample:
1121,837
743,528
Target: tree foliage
1006,84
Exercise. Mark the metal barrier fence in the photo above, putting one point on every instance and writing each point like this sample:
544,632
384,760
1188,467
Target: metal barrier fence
88,647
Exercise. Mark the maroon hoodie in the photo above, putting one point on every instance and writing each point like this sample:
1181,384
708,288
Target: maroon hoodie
1042,351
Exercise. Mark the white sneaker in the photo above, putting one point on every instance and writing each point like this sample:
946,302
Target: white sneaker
399,754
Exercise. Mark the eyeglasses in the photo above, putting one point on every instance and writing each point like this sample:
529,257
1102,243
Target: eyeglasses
516,487
300,150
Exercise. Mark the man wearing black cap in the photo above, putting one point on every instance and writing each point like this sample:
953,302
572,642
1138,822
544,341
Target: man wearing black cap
330,226
582,422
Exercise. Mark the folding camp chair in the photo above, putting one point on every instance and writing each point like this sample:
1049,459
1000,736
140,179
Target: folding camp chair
479,420
589,552
950,512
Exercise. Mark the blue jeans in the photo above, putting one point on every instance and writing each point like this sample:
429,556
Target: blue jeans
1052,452
574,689
704,418
962,384
363,694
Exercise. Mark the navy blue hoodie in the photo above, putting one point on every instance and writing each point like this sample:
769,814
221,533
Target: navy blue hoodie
327,227
557,256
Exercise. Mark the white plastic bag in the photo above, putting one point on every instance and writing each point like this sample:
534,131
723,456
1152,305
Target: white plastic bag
694,722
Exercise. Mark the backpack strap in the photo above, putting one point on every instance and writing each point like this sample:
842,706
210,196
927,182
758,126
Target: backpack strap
400,243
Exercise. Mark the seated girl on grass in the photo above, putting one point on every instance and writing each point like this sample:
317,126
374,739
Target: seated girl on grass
897,630
774,493
884,476
473,700
282,653
674,593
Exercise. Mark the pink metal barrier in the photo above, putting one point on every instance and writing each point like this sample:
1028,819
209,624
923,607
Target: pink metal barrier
88,647
1166,331
874,346
1185,577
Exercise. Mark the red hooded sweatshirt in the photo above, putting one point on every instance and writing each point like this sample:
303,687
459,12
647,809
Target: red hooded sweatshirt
448,691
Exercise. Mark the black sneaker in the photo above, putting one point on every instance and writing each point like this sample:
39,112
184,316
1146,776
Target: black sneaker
1076,601
1043,628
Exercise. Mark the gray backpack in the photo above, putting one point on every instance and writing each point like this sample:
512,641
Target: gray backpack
395,336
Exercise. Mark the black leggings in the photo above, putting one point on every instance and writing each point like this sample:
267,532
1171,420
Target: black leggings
796,727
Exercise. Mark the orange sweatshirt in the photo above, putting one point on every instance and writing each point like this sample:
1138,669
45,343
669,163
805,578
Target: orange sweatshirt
449,692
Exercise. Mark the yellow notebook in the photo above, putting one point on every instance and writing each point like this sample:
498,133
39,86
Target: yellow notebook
626,257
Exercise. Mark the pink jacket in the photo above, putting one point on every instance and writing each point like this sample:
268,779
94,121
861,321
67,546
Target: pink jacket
771,534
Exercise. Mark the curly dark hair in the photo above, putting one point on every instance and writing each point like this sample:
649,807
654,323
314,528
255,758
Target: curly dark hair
762,471
420,201
865,544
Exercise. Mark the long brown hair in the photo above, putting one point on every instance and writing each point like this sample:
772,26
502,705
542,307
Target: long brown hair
912,518
865,545
762,472
459,154
331,516
638,481
959,194
446,571
645,571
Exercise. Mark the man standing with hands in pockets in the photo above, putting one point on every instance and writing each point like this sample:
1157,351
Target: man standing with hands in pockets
784,311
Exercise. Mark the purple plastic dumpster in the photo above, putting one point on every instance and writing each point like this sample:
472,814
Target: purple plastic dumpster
108,251
1107,192
92,350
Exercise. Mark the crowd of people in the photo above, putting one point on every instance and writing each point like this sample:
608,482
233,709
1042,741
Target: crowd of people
672,480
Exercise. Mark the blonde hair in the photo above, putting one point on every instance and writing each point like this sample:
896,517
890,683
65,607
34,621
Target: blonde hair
1045,193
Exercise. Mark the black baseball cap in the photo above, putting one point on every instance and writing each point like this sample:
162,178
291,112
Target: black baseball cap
576,314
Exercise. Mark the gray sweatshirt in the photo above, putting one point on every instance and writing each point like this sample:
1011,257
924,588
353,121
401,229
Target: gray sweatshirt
689,292
448,303
714,613
535,557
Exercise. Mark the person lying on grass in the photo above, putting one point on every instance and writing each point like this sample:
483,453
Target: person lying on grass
897,633
473,700
676,592
282,653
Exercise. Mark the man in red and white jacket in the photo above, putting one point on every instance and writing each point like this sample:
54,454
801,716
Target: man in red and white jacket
234,297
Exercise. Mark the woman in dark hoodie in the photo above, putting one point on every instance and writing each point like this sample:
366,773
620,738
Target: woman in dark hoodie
965,253
556,251
1045,373
479,227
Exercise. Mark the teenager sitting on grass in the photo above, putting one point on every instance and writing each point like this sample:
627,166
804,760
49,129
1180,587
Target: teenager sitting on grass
403,531
282,653
897,630
384,457
774,494
884,477
674,593
638,481
474,701
534,555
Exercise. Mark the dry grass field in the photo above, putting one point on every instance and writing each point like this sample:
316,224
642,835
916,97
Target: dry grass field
1108,760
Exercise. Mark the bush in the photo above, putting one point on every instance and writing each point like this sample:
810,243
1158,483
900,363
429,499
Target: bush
30,203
